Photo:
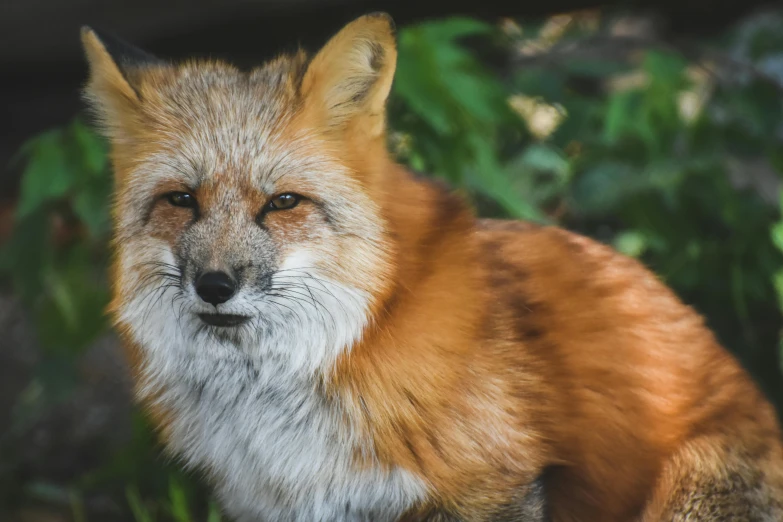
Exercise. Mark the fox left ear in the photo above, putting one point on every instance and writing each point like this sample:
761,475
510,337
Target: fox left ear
348,81
116,69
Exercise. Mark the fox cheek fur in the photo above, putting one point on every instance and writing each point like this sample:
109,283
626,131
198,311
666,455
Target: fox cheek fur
382,354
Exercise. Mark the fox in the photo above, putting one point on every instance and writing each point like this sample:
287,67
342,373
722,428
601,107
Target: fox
330,337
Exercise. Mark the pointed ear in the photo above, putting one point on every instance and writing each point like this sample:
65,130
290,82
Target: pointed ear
348,81
115,74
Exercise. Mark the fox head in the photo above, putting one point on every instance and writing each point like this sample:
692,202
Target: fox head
246,214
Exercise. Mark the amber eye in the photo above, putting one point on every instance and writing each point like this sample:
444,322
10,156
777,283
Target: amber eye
284,201
181,199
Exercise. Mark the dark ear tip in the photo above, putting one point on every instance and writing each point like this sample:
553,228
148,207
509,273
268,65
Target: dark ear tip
386,17
122,52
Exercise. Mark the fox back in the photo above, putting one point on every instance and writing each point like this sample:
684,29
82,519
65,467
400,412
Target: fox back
332,338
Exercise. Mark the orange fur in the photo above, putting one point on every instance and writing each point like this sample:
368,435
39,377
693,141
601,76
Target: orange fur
531,347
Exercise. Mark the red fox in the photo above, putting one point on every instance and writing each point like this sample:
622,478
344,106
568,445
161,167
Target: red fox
331,338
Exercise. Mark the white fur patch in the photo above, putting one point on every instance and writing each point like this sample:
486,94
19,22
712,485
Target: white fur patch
248,409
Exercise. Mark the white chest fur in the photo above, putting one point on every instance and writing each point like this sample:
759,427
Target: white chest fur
278,449
249,412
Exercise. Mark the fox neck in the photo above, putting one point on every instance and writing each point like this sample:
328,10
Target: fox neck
432,254
432,310
431,226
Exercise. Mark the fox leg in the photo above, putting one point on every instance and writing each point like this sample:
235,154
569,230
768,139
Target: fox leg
712,479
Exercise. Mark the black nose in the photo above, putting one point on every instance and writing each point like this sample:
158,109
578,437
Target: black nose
215,287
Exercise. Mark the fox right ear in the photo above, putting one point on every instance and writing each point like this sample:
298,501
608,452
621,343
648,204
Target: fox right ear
349,79
115,77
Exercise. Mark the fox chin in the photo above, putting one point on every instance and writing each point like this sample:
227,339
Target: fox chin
331,338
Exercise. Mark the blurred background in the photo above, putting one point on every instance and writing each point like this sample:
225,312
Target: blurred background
654,127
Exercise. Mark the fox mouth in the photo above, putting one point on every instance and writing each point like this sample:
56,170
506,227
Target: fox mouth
223,320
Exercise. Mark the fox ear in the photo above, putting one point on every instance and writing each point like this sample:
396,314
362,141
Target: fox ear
115,76
348,81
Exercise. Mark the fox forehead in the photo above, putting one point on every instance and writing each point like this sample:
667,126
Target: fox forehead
202,121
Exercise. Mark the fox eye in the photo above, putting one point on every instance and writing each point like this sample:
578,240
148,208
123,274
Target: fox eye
181,199
284,201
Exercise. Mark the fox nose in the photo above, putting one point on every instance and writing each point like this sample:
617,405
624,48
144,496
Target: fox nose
215,287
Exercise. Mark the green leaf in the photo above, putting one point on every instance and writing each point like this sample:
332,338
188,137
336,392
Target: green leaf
214,513
543,157
91,204
442,82
417,83
491,179
541,173
664,67
538,82
48,174
777,235
140,512
92,148
618,115
71,307
454,27
602,186
63,298
179,501
632,243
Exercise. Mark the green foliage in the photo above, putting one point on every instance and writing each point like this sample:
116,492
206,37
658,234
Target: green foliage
65,190
650,152
777,276
454,113
178,506
56,257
